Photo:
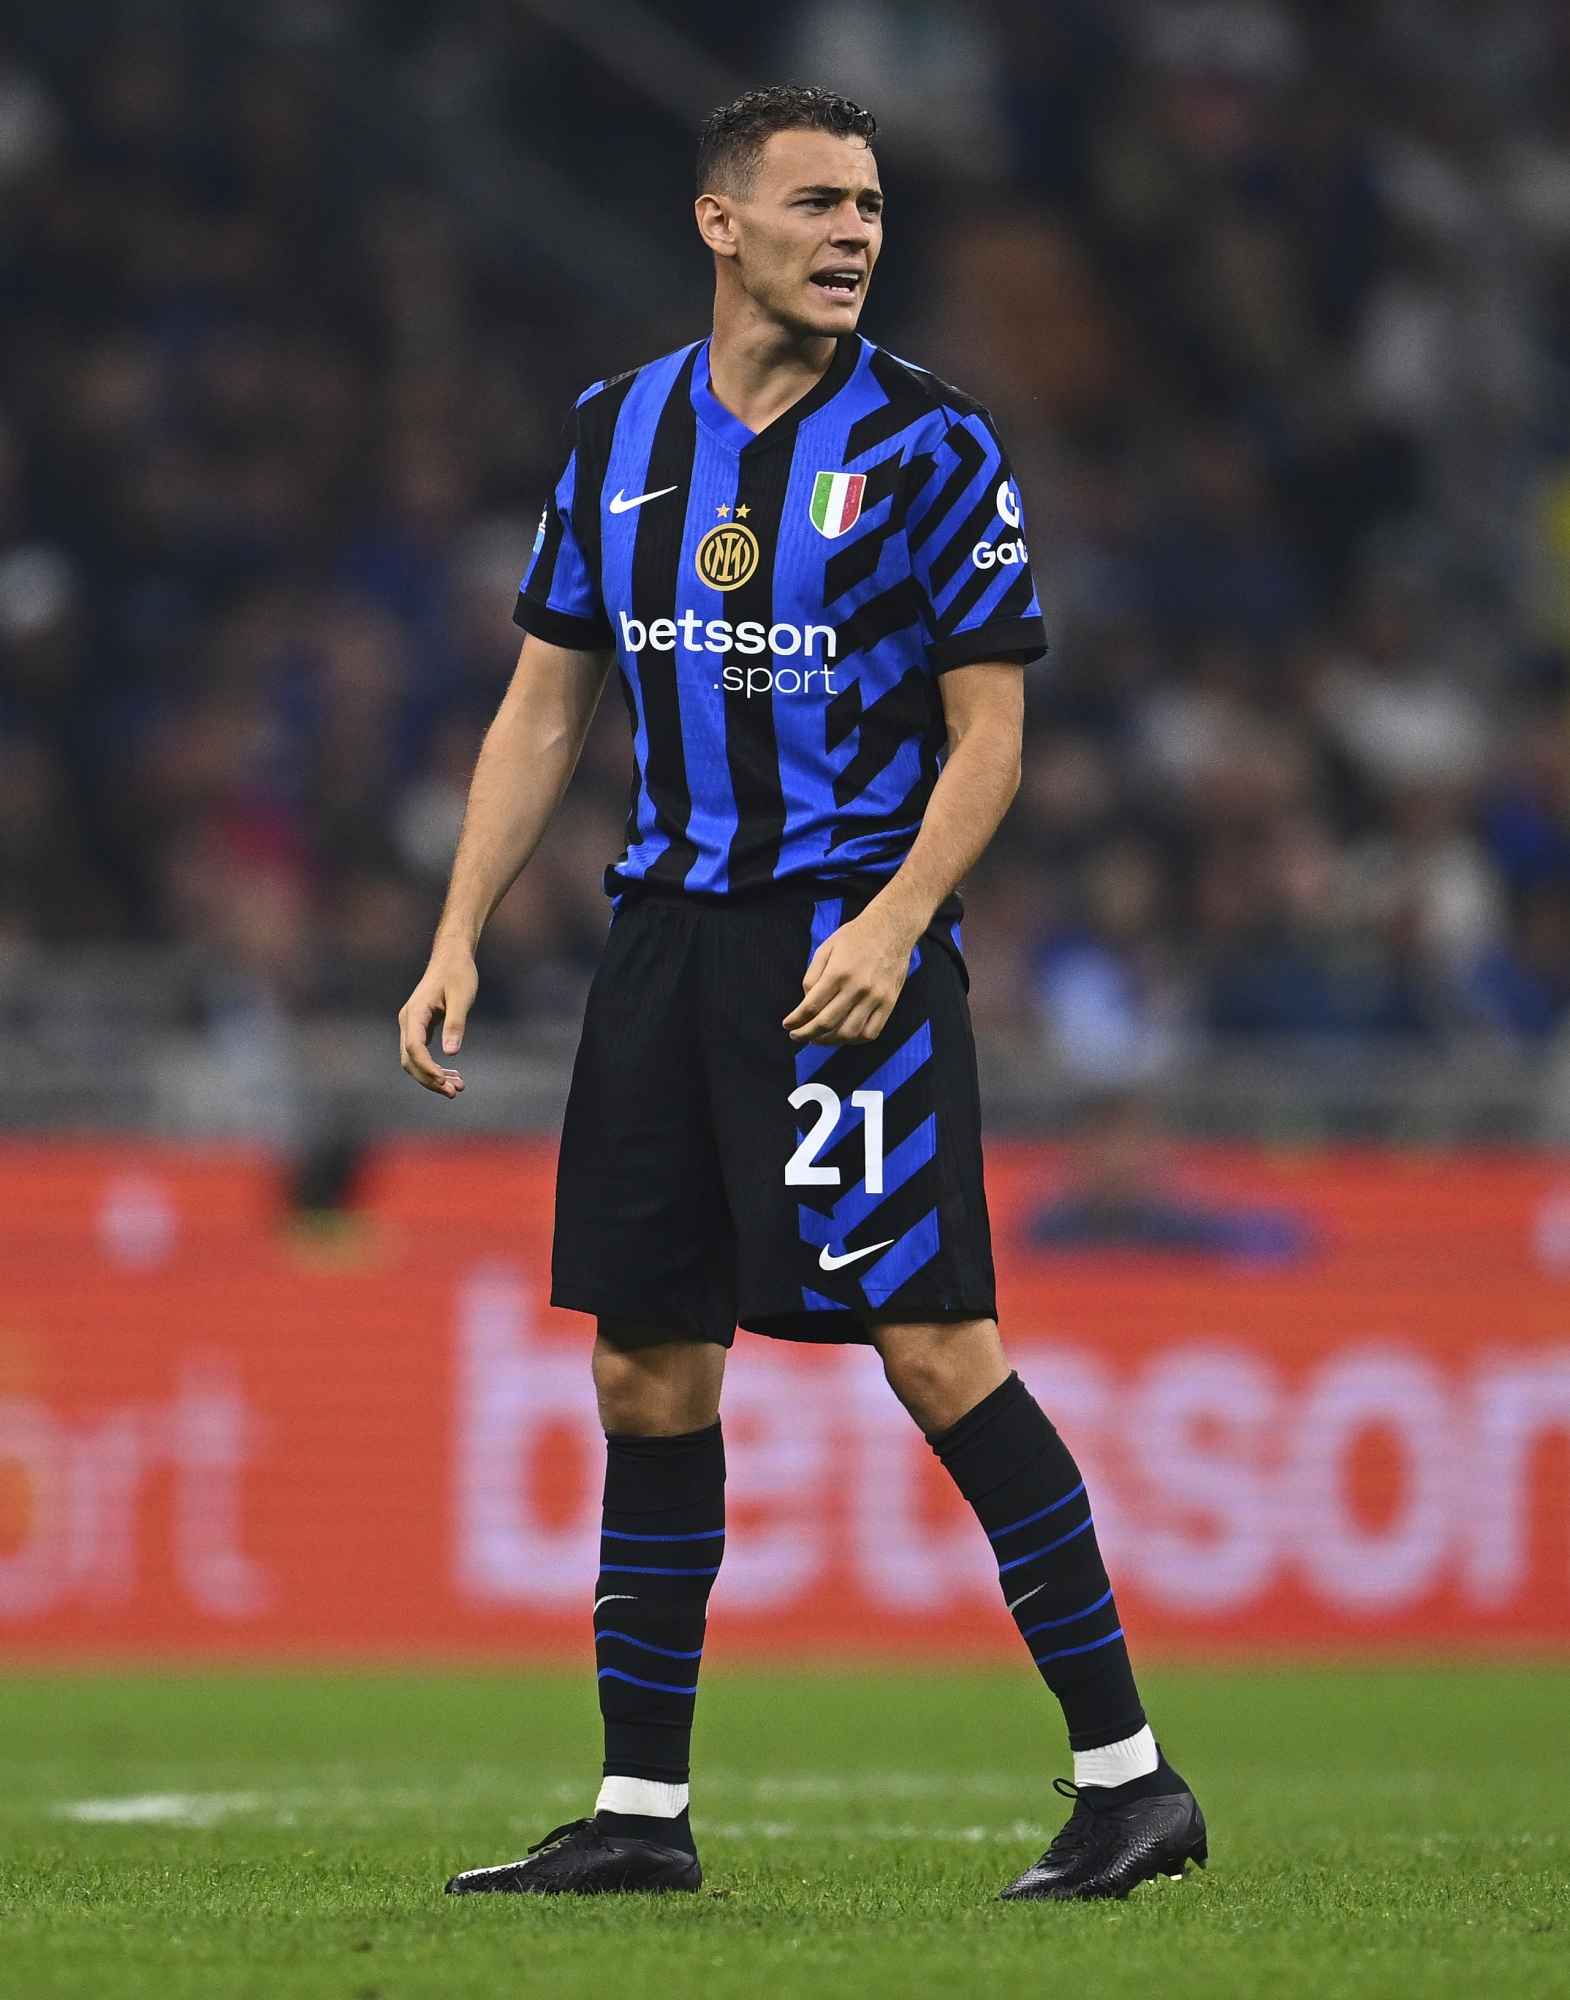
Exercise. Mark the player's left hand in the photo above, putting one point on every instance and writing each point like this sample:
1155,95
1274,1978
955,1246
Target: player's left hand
853,982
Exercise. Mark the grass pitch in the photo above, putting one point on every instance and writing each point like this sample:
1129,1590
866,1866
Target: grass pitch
1372,1833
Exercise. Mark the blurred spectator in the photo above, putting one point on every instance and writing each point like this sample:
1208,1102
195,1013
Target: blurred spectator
929,66
1400,719
1522,987
1107,1000
1120,1195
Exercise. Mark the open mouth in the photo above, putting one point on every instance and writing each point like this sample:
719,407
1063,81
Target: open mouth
839,282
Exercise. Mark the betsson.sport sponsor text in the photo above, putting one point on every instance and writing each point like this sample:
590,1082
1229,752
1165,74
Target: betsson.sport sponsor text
718,635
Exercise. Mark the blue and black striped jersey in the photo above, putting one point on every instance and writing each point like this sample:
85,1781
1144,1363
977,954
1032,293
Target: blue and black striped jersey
781,606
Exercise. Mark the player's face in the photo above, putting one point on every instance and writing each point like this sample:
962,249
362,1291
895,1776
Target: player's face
807,233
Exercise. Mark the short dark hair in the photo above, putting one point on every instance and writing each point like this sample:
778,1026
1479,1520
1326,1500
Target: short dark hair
735,135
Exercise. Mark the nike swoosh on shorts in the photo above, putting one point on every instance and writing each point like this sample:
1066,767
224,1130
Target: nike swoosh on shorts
828,1263
621,506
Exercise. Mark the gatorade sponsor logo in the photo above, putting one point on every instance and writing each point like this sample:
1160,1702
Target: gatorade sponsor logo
999,555
1003,555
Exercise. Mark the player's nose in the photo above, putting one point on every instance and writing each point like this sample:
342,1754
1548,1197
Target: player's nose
851,226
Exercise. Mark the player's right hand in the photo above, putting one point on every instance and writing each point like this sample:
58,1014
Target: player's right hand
447,989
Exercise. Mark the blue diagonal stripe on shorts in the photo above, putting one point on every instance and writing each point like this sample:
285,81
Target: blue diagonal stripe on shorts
827,917
907,1158
918,1246
900,1068
810,1060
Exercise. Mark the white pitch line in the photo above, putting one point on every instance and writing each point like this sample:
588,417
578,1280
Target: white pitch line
161,1808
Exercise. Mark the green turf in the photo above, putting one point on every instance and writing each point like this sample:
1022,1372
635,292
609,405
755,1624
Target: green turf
1371,1833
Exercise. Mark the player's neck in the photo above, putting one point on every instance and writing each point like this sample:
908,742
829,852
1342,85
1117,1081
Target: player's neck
758,368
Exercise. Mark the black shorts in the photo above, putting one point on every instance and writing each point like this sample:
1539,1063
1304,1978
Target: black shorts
712,1172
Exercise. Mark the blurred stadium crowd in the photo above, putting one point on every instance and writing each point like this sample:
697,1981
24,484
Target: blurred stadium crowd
1272,303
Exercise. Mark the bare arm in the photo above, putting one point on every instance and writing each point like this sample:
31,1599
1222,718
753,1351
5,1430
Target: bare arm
856,975
524,765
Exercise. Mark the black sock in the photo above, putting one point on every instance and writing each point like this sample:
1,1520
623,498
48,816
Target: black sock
1021,1479
660,1547
675,1832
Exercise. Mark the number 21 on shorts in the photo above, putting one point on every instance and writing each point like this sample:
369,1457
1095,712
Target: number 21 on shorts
802,1169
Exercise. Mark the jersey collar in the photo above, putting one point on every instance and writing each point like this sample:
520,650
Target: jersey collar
731,431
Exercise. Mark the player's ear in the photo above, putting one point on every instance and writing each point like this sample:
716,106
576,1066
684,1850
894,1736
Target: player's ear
716,224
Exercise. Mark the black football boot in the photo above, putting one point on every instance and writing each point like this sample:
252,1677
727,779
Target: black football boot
579,1860
1112,1841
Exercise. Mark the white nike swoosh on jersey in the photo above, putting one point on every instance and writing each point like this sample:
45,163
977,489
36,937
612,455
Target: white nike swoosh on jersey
621,506
620,1597
828,1263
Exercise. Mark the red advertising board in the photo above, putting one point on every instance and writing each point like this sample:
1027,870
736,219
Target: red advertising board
1329,1409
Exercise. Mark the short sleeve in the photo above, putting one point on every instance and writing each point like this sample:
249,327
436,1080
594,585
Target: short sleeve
559,599
966,534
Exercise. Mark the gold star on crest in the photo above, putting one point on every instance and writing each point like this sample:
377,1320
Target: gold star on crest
742,513
723,512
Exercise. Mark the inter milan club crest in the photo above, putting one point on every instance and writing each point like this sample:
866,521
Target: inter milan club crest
836,502
727,556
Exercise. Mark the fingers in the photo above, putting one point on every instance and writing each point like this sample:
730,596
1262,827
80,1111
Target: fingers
458,989
839,1012
826,1004
820,959
848,993
453,1024
417,1061
862,1024
811,981
414,1025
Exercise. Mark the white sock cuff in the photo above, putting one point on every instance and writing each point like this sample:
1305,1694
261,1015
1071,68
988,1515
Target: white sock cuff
1116,1763
642,1795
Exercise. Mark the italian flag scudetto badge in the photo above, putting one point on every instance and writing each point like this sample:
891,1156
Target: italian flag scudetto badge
836,501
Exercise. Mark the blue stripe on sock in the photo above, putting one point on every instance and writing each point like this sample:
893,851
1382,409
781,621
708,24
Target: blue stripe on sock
704,1535
659,1687
1051,1624
1068,1651
1020,1561
997,1534
637,1569
665,1652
